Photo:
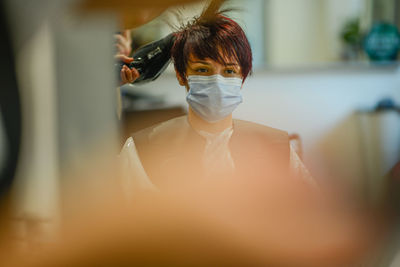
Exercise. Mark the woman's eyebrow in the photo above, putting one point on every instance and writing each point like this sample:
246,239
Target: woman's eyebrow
231,64
200,61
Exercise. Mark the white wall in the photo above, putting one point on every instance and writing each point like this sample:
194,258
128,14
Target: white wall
294,32
307,31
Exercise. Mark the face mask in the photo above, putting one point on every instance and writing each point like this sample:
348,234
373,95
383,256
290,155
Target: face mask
214,97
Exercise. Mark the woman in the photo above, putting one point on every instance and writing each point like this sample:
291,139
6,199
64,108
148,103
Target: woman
212,59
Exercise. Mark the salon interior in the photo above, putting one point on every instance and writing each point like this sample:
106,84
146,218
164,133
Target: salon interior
327,72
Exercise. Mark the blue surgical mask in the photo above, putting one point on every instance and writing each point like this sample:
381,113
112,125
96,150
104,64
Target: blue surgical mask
214,97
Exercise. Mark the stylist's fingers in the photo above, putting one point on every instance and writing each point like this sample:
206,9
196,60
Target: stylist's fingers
121,50
127,35
128,75
123,75
124,42
123,58
132,74
120,38
135,74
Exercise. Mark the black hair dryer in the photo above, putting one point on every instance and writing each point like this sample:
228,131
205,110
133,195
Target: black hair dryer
151,60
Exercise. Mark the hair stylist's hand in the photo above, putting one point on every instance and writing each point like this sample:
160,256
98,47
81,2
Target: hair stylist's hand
124,48
127,75
124,43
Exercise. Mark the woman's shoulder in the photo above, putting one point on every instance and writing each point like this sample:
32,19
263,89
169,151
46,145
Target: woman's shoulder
159,133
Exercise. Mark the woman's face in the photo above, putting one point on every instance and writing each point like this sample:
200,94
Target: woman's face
208,67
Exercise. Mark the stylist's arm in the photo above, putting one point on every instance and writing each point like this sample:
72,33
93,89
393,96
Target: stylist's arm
124,49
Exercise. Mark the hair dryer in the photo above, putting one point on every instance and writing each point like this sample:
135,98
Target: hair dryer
151,60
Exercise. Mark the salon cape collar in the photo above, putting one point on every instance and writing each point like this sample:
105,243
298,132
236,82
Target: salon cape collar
198,124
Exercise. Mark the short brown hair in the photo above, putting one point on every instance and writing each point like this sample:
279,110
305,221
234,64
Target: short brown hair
218,39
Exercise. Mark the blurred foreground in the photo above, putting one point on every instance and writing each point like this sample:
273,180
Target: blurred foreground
246,222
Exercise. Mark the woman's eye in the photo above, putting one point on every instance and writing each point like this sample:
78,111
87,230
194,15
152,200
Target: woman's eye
230,71
201,70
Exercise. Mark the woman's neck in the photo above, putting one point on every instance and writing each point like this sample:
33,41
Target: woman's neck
201,125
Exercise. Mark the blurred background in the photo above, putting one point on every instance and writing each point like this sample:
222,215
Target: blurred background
325,70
